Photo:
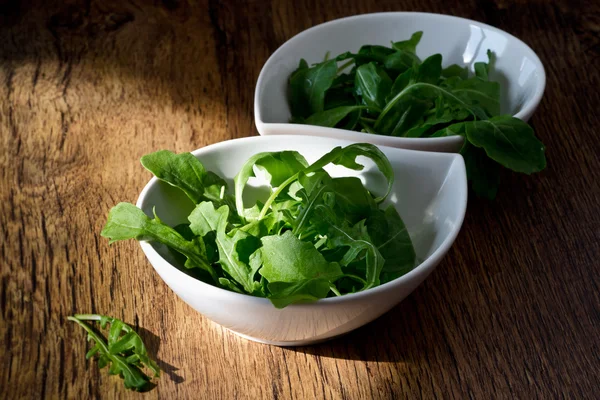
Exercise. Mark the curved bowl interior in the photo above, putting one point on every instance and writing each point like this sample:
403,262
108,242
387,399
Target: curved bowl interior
429,191
460,41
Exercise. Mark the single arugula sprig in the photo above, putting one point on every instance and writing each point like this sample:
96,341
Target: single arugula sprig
391,91
312,237
124,351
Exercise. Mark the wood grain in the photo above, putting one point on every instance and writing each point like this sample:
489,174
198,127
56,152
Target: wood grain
88,87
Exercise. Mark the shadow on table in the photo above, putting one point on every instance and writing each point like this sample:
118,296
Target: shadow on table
152,343
397,336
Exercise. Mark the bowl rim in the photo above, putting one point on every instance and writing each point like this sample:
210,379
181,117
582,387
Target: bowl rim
424,267
526,110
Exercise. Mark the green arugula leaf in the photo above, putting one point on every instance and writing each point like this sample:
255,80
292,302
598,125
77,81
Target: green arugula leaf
279,165
408,107
126,221
341,96
429,71
341,156
187,173
282,294
455,70
347,157
124,351
357,239
479,93
482,69
373,85
352,198
400,83
452,130
204,219
482,171
508,141
371,53
388,233
308,87
400,61
330,118
410,44
443,115
286,258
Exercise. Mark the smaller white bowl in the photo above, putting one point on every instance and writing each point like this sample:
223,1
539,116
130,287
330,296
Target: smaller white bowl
460,41
429,192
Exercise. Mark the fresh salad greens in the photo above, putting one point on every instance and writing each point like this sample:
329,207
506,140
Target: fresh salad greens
390,91
124,351
313,237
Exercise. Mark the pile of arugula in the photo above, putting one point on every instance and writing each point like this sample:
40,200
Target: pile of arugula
314,236
124,352
390,91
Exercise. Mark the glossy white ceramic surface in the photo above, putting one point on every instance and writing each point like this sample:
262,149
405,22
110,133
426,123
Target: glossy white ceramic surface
460,41
430,193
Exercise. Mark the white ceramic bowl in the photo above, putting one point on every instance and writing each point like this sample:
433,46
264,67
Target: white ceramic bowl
430,193
460,41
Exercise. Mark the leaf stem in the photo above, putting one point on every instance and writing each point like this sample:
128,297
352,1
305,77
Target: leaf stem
86,317
367,119
334,290
356,277
367,128
99,340
345,65
276,193
439,90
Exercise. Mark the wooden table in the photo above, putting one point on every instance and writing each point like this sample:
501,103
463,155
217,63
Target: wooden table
88,87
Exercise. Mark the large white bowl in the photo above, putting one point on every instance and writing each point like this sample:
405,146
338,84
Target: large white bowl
430,193
460,41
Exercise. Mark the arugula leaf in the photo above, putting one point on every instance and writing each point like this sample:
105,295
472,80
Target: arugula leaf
400,61
204,219
477,92
339,97
388,233
482,69
124,351
286,258
187,173
357,239
352,198
443,114
371,53
373,85
508,141
410,44
429,71
452,130
400,83
347,157
341,156
332,117
126,221
308,87
281,165
455,70
482,171
282,294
